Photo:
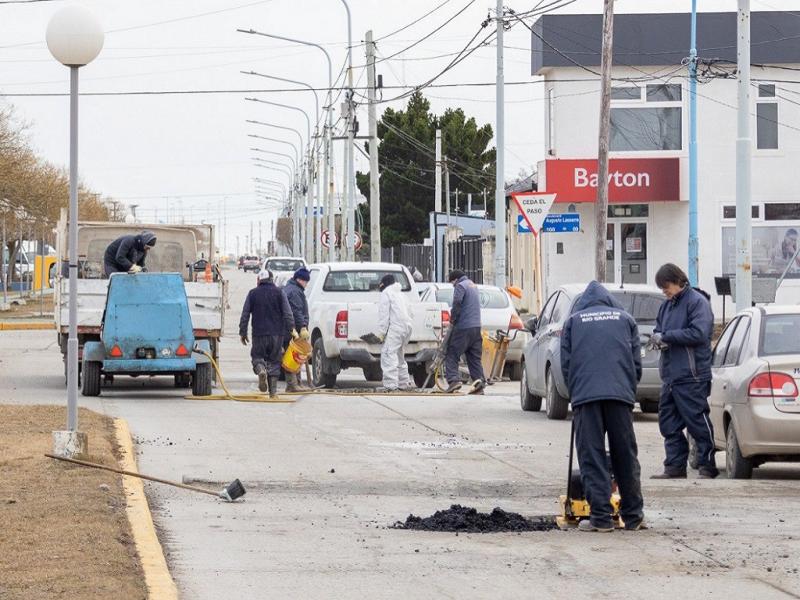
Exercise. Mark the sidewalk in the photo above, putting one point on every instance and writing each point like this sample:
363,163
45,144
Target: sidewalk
27,311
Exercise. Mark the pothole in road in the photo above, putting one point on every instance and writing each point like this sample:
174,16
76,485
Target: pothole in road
466,519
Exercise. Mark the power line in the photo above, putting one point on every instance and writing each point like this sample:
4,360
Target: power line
414,22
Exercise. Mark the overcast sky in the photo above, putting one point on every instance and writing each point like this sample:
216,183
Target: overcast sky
188,152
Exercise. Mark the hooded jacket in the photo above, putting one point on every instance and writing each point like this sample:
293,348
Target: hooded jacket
600,350
393,314
466,310
126,251
270,309
685,323
298,301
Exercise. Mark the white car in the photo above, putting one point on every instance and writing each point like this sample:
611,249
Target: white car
343,306
283,267
497,313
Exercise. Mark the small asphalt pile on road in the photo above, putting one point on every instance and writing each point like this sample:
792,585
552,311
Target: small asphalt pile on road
459,518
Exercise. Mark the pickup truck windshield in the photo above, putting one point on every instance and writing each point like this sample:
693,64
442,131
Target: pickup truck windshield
361,281
278,264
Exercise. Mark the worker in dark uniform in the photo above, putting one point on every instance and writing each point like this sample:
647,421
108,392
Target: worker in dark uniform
465,338
272,318
602,364
683,333
296,295
127,254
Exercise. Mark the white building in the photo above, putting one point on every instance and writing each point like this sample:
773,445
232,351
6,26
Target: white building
649,187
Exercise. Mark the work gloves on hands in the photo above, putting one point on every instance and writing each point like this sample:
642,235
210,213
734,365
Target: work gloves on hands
295,335
244,340
304,335
656,342
135,269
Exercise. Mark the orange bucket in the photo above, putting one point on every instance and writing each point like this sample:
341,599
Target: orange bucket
296,355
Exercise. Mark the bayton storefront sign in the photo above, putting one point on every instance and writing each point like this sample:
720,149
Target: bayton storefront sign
630,180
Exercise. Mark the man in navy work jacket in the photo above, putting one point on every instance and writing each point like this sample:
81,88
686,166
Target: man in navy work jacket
683,332
601,363
465,338
272,318
296,295
127,254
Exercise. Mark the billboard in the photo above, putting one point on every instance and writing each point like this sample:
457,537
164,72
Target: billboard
773,249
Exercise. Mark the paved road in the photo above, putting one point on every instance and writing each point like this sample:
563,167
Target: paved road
328,474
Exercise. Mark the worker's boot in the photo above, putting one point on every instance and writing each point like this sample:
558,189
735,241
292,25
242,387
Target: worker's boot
273,386
292,384
261,371
477,387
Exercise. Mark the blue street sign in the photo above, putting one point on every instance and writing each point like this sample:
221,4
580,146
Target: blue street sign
562,223
522,225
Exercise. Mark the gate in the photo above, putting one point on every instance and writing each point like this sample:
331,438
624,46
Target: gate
466,254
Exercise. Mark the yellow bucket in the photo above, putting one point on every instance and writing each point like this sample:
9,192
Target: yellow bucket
296,355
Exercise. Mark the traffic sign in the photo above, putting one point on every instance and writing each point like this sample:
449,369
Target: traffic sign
522,225
358,241
562,223
324,238
534,206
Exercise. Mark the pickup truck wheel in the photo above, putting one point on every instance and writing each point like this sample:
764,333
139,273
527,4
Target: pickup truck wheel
649,406
738,466
91,378
319,362
528,401
373,373
201,380
557,405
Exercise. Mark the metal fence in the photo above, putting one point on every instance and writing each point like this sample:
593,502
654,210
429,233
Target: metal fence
466,254
419,257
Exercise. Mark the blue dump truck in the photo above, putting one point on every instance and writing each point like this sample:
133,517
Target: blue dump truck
147,330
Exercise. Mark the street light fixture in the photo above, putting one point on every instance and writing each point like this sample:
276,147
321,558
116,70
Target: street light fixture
74,38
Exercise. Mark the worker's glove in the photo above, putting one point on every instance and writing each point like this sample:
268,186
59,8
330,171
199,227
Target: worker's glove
304,335
135,269
656,342
295,335
244,340
372,338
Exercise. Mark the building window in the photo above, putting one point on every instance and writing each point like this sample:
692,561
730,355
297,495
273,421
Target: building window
646,129
766,118
550,125
774,249
664,93
626,93
729,211
782,211
628,210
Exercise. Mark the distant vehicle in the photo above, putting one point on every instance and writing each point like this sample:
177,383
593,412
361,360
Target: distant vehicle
755,409
541,373
343,306
497,313
240,263
283,267
251,263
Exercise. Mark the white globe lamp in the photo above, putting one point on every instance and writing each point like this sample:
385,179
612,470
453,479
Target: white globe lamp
74,37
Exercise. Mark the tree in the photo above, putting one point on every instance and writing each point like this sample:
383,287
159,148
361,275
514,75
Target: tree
407,161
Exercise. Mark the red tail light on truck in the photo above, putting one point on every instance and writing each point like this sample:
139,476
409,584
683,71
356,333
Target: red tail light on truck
445,318
341,327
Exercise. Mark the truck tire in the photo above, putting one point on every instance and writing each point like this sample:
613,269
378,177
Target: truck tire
557,405
649,406
201,380
319,366
738,466
373,373
91,378
528,401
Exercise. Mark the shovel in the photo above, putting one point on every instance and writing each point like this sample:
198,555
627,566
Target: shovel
229,493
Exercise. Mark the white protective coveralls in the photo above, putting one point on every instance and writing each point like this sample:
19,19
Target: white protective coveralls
394,324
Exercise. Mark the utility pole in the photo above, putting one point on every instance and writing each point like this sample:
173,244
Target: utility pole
469,203
351,217
457,201
237,247
485,207
601,206
260,247
250,245
225,225
437,201
447,228
374,182
500,136
693,241
744,236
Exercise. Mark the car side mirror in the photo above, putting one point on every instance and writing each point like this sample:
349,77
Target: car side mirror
531,324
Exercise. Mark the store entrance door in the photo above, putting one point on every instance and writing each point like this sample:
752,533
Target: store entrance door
626,252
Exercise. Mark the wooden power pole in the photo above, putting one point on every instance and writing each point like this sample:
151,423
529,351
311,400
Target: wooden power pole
601,206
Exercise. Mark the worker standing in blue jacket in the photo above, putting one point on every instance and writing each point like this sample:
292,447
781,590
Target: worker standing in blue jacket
602,364
465,338
683,332
296,295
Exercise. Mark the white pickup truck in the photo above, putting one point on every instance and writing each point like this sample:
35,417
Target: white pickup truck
343,306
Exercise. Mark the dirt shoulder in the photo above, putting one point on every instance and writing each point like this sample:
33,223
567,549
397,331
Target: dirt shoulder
64,532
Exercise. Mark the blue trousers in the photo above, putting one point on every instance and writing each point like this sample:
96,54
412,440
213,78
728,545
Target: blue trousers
685,406
593,422
464,341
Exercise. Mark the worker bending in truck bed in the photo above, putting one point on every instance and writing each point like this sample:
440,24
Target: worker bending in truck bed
272,317
296,295
127,254
394,328
601,362
465,319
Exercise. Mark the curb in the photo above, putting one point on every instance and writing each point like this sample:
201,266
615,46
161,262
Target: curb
35,325
160,585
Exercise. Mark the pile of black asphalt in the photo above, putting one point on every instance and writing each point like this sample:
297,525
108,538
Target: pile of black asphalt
466,519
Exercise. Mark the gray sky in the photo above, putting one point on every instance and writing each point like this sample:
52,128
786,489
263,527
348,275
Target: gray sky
189,152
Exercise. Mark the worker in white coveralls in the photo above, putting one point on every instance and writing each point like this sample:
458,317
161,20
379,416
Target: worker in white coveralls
394,327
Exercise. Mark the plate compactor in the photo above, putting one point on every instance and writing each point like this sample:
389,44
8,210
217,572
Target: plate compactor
574,505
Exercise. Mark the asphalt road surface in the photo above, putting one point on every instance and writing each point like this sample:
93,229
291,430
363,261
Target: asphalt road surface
327,476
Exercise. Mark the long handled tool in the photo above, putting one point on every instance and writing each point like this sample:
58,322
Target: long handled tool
438,360
231,492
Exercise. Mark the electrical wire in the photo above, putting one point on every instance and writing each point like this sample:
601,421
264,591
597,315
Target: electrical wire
414,22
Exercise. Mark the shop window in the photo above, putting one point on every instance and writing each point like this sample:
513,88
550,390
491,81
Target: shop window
626,93
782,211
646,129
773,251
628,210
767,125
729,211
664,93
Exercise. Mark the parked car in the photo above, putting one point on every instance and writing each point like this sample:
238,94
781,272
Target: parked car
541,373
755,409
251,263
343,306
240,263
497,312
283,267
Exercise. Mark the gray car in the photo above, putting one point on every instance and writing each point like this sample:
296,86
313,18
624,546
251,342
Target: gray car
541,372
